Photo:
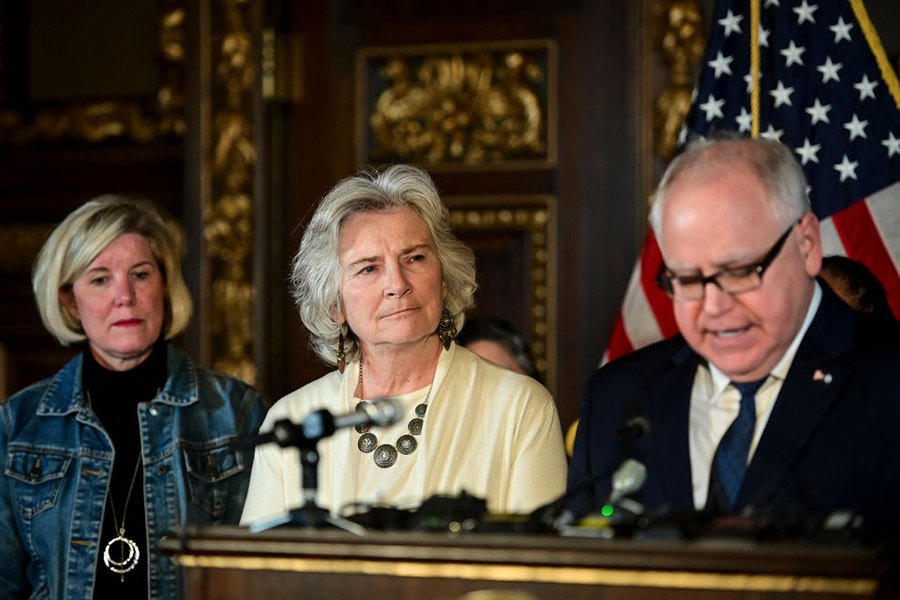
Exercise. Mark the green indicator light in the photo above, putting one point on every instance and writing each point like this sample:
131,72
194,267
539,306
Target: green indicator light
607,510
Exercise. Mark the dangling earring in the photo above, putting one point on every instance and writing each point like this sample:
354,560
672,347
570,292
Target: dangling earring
446,329
342,360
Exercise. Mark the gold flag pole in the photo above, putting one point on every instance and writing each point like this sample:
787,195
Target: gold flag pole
884,65
754,66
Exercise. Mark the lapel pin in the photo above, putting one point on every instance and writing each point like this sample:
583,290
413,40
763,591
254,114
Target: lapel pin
823,377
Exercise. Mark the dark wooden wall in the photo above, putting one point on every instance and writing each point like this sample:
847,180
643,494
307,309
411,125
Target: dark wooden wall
78,118
39,187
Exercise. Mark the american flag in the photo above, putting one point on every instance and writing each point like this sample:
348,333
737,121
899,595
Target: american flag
828,92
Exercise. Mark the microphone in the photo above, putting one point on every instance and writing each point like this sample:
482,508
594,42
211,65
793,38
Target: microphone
627,479
321,424
380,412
628,476
634,429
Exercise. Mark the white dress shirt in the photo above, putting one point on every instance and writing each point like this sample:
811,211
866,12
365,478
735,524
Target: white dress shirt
715,404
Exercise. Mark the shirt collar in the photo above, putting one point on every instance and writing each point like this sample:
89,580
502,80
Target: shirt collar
781,368
719,381
64,394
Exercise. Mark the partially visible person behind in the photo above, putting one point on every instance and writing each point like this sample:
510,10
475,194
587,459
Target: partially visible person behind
498,341
776,399
855,284
130,438
382,285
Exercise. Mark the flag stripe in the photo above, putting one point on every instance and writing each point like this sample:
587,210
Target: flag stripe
883,206
831,241
863,242
619,345
636,324
640,323
659,302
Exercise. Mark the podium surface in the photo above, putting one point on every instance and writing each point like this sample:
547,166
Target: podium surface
231,562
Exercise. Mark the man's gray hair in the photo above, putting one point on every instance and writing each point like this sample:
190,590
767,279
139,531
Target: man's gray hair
316,275
771,161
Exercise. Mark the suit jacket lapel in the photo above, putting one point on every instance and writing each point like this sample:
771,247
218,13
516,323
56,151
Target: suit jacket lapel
669,409
812,384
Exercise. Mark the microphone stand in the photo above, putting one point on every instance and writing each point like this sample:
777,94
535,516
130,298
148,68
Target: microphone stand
558,515
305,437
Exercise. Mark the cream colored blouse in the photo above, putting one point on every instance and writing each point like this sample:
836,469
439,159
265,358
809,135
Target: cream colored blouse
488,431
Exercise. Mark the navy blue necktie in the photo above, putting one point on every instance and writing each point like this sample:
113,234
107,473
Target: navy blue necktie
731,455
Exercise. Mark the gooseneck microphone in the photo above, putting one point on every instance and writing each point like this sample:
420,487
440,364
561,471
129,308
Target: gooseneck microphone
304,436
630,474
380,412
634,429
627,479
321,424
627,476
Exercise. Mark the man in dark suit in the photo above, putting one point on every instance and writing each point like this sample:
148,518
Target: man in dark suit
776,398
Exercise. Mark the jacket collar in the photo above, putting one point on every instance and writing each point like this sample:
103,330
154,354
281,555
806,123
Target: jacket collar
816,377
181,380
64,393
670,402
804,399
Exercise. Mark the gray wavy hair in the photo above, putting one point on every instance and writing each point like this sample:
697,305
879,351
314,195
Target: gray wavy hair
771,161
315,279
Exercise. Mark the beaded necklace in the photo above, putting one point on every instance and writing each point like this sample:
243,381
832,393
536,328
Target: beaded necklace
385,455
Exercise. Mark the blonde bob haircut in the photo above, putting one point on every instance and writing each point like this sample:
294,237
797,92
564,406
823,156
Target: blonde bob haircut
82,236
316,275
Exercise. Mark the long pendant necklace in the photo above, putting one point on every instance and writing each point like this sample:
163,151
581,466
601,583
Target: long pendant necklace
129,561
385,455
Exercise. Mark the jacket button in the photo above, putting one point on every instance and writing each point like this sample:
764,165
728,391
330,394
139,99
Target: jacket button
162,469
154,412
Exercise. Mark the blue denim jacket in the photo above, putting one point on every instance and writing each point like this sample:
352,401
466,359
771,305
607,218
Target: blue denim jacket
57,461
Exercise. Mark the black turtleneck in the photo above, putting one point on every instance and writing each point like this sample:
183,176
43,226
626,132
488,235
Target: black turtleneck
114,396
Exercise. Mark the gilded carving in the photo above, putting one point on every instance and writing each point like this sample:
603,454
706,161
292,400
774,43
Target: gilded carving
170,98
466,106
533,217
680,41
138,121
228,216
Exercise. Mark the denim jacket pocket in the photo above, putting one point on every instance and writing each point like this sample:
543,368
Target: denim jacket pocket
210,470
38,474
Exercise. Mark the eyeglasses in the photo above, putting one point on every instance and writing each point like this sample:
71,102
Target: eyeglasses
733,280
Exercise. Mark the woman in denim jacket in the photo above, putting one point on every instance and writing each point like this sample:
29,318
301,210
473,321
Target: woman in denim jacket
130,438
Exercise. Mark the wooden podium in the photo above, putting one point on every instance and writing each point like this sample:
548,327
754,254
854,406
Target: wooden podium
231,563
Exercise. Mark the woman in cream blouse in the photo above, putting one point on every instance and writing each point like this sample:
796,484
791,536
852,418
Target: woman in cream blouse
382,284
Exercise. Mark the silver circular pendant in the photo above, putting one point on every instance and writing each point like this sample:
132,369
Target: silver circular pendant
407,444
361,407
420,410
385,456
128,562
367,442
415,426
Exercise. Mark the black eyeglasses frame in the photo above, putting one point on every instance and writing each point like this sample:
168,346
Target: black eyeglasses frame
665,277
